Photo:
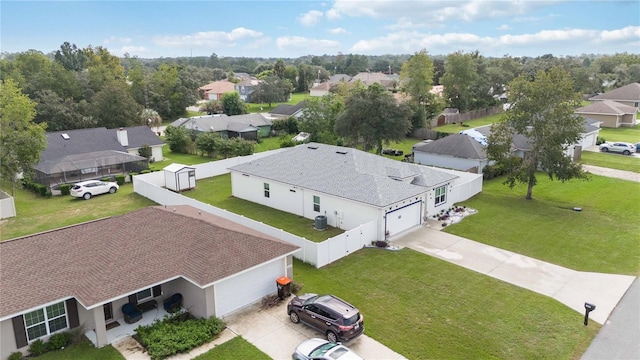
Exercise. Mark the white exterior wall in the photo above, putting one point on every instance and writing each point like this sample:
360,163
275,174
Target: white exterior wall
156,152
8,340
7,207
448,162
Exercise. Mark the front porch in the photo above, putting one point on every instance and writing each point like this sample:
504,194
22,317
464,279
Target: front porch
123,330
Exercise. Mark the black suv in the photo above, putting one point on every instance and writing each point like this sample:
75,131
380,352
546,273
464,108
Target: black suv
336,318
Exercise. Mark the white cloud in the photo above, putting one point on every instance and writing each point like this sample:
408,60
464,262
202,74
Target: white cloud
503,27
303,46
338,31
209,38
310,18
117,40
131,50
333,14
627,33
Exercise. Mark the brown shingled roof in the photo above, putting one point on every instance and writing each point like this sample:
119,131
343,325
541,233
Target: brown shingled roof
606,107
630,92
117,256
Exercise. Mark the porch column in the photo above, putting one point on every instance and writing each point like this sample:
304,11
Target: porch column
101,327
209,302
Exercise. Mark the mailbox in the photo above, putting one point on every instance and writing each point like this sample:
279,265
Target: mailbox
587,309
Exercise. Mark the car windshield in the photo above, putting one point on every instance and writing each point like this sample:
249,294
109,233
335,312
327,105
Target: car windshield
310,300
338,352
352,320
322,349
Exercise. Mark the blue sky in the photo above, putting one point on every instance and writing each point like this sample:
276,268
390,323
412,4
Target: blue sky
285,29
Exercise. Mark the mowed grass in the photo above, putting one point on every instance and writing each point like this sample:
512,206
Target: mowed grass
264,107
426,308
83,351
235,349
36,213
611,160
603,237
625,134
456,128
216,191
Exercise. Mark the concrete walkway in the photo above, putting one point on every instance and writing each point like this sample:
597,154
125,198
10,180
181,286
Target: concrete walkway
619,174
570,287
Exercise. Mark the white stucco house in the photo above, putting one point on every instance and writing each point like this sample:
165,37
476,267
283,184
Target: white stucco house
351,187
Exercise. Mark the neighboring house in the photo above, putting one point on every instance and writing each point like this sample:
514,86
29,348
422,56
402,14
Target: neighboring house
456,151
246,126
351,187
216,89
82,275
320,90
285,111
83,154
612,114
627,95
389,82
336,78
245,88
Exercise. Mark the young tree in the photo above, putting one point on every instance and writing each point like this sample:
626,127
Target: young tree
178,139
319,118
207,143
233,105
373,116
21,141
272,89
542,111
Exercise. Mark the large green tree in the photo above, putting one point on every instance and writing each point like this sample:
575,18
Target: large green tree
114,107
319,118
459,77
373,117
416,79
21,140
272,89
233,105
542,111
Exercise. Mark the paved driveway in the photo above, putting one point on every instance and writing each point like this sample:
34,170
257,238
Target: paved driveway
273,333
570,287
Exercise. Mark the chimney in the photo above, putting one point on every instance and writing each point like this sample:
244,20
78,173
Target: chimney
122,137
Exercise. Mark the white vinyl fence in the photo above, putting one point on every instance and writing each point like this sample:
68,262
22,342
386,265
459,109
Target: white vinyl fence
151,186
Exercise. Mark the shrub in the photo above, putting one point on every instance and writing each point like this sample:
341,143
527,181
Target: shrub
37,347
120,179
132,174
41,189
106,179
146,171
65,189
177,333
58,341
381,244
16,356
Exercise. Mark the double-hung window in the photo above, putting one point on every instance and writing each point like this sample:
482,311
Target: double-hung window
45,321
441,195
266,190
316,203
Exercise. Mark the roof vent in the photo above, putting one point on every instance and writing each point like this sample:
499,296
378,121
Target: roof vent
65,136
312,147
341,152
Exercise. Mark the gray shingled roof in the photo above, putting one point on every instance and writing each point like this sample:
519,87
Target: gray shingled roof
286,109
456,145
98,261
92,159
140,135
608,107
629,92
345,172
223,122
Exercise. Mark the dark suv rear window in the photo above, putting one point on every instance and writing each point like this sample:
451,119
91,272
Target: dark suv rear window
352,320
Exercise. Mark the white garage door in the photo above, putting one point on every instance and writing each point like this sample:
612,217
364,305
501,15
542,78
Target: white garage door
242,290
404,218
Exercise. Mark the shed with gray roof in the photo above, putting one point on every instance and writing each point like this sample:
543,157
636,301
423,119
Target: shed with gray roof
350,187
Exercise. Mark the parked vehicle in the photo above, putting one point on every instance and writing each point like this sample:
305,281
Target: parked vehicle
619,147
89,188
320,349
337,319
638,147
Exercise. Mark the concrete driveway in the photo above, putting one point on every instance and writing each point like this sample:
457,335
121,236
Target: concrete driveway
570,287
271,331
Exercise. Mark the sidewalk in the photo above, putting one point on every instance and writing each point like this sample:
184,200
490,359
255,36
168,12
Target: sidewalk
570,287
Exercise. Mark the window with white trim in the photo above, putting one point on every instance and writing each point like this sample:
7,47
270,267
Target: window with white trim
45,321
143,295
441,195
316,203
266,190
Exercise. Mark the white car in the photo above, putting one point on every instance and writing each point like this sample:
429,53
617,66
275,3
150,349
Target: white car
619,147
89,188
320,349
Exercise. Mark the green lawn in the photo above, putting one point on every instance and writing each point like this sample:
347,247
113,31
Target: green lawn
36,213
84,351
626,134
235,349
216,191
611,160
456,128
426,308
603,237
295,98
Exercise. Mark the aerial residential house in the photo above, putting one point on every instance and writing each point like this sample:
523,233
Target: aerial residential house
320,90
612,114
626,95
246,87
456,151
388,81
351,187
246,126
85,274
83,154
285,111
216,89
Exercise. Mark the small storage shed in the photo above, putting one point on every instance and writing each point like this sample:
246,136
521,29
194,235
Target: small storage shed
178,177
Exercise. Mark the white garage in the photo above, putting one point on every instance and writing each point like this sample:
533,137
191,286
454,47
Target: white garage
403,218
248,287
